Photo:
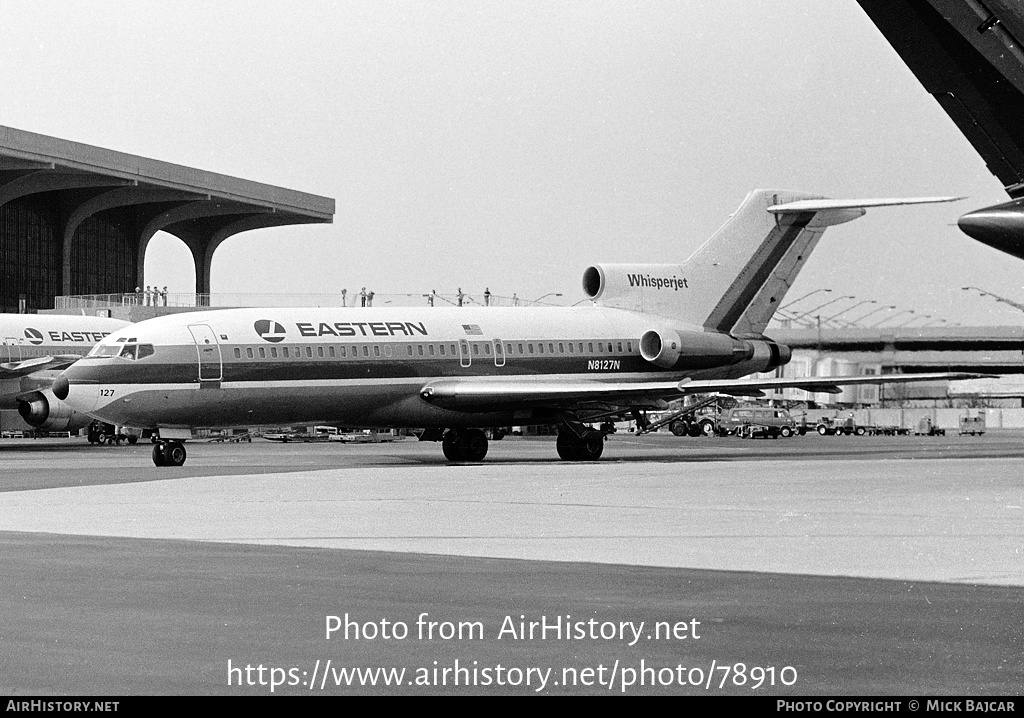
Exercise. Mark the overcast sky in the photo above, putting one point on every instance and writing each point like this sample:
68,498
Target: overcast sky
510,144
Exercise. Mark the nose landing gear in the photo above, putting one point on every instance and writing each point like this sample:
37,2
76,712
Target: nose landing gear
169,453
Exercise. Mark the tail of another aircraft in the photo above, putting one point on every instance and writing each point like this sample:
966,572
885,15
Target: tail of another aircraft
736,281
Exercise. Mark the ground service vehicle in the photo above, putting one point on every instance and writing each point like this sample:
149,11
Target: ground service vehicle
833,427
926,427
776,422
973,425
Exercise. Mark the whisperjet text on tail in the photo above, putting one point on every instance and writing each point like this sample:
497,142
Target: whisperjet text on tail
36,347
654,333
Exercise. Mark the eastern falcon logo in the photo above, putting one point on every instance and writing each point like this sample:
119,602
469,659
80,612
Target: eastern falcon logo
34,336
270,331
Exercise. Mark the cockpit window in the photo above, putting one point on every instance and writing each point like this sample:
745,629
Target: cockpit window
135,351
105,350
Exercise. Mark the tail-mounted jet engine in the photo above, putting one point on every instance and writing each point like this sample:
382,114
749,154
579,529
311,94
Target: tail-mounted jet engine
683,349
768,354
43,410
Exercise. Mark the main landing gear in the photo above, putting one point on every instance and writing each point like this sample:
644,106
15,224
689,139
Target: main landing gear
574,447
169,453
576,442
464,445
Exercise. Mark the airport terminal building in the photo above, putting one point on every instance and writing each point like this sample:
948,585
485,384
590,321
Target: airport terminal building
76,219
997,350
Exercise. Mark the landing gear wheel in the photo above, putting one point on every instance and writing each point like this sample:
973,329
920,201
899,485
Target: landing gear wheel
449,445
473,445
466,445
174,453
170,453
571,448
592,446
567,446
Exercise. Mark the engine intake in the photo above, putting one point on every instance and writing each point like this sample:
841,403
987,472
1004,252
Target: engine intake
43,410
688,349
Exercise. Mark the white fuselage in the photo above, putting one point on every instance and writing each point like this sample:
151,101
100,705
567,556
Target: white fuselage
357,366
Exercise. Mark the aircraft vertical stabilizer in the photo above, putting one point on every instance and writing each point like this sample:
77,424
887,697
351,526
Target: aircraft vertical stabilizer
736,281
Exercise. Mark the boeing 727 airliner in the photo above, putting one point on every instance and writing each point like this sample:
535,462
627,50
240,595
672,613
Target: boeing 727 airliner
36,347
654,333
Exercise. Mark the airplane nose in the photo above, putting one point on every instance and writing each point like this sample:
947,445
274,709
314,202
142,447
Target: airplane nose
1000,227
61,387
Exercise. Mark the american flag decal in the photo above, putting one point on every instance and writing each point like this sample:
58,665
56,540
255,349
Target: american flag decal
473,329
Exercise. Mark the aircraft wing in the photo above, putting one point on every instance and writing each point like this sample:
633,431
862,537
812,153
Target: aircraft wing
485,394
9,370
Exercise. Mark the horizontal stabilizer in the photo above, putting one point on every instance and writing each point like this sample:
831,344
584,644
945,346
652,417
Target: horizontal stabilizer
826,384
821,205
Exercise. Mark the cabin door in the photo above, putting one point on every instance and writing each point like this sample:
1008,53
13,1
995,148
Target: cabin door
211,364
12,350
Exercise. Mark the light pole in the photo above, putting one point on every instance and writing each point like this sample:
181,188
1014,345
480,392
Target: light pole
873,311
893,316
549,294
1004,300
803,297
837,299
912,319
787,316
851,307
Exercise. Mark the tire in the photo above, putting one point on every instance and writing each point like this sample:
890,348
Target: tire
571,448
823,431
473,445
860,431
592,446
679,428
158,455
174,454
707,428
450,446
133,440
785,432
567,446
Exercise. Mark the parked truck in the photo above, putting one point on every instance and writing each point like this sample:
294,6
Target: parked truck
926,427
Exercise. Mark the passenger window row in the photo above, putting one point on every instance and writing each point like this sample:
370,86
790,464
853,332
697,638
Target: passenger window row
355,351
